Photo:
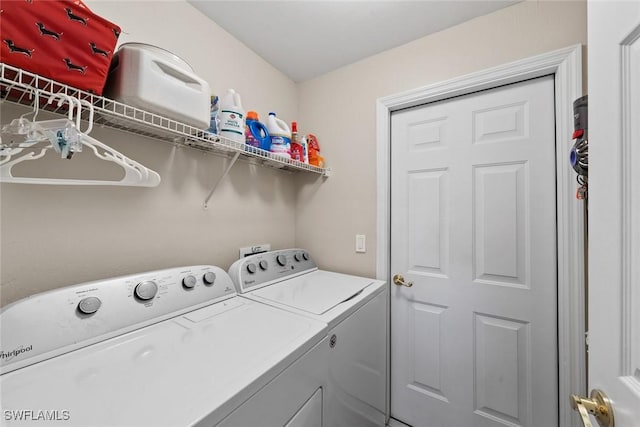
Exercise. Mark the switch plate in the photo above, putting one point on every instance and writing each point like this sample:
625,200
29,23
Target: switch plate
361,243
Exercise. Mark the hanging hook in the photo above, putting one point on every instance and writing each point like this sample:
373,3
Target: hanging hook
74,143
91,113
76,101
33,92
36,105
63,97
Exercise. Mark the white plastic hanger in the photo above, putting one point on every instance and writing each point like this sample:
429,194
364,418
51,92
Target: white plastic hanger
20,126
66,138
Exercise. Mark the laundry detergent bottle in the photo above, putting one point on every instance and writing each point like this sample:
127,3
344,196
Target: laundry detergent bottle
256,133
280,136
231,117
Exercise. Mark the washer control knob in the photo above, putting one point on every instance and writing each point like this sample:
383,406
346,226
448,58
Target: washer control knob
263,265
209,277
282,260
89,305
189,281
298,257
305,256
251,268
146,290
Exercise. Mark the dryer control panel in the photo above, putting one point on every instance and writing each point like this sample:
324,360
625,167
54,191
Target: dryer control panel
66,319
263,269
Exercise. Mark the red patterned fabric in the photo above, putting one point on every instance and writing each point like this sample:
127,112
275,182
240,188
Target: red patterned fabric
58,39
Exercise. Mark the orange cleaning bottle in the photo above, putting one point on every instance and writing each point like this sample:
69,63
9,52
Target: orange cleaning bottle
315,158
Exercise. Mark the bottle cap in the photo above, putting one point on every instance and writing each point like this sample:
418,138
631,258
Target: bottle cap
294,127
252,115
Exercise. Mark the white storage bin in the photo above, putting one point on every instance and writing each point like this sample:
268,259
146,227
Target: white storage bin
156,80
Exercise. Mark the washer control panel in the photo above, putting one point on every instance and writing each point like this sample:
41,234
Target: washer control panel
262,269
55,322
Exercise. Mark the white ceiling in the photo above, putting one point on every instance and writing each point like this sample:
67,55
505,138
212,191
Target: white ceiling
305,39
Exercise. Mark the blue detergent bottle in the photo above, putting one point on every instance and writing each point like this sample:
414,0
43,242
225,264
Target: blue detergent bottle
256,132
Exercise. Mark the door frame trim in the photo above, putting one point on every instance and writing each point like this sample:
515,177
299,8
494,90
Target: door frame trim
566,66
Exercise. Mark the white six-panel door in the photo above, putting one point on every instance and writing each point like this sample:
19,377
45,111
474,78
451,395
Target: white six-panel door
614,206
474,340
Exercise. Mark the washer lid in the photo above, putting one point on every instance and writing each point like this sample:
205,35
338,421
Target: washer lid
316,292
198,366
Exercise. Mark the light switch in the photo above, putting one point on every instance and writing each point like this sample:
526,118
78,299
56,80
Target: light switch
361,243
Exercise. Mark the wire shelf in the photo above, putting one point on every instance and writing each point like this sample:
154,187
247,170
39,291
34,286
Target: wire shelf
21,87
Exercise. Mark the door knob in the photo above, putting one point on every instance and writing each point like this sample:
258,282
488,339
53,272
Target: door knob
598,405
399,280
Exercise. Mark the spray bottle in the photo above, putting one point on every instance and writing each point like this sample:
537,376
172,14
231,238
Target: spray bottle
297,152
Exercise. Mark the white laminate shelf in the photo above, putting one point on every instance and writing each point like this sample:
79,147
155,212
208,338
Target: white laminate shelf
18,86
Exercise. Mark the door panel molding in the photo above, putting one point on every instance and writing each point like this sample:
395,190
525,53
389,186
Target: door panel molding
630,66
566,66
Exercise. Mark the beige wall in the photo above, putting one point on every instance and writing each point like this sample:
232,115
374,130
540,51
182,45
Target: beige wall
53,236
340,107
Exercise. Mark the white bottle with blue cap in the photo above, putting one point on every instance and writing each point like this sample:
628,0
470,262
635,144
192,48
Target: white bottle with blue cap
280,134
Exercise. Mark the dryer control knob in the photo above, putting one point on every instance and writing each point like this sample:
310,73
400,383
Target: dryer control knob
282,260
263,265
251,268
189,281
209,277
297,257
89,305
305,256
146,290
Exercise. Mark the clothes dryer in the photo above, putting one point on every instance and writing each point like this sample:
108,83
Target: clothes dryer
173,347
355,310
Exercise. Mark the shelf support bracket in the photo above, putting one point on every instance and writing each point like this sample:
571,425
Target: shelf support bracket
224,174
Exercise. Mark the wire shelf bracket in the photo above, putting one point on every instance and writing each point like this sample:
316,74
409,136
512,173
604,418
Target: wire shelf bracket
224,174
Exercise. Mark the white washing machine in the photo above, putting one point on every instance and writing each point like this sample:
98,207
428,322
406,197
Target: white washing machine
355,310
174,347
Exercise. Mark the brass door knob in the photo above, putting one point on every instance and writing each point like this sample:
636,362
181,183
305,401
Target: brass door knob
598,405
399,280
